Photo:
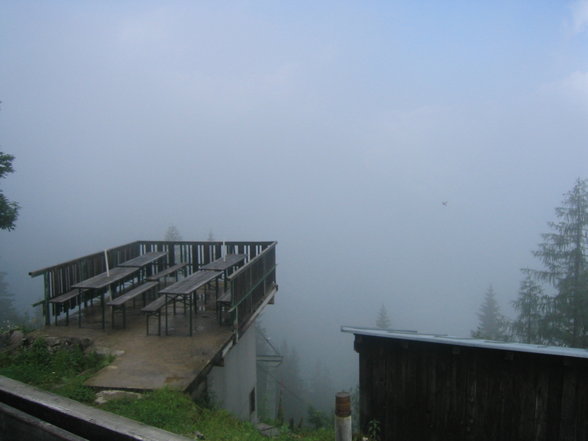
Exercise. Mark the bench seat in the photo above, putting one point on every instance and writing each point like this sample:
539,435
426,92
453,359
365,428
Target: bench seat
65,297
155,305
121,301
222,305
141,289
225,297
59,301
154,308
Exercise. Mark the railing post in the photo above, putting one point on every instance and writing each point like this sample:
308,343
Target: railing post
343,417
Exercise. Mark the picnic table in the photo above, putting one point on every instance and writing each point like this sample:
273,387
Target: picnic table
186,290
99,283
225,263
143,261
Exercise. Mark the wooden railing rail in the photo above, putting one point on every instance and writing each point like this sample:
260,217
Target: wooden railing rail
197,254
59,278
251,285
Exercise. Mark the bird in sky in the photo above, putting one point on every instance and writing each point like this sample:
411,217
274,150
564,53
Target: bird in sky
444,203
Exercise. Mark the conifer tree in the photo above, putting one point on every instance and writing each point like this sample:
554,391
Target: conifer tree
8,209
172,234
383,320
292,388
492,324
321,390
7,311
563,254
530,326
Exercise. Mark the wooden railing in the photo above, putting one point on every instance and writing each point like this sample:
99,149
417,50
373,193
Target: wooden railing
251,286
59,278
196,254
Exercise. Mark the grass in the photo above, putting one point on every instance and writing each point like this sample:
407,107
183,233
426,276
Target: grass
64,372
176,412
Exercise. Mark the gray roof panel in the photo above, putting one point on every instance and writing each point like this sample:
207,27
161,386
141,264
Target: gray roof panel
465,341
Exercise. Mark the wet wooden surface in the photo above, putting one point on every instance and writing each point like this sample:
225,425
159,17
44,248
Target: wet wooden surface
144,259
224,263
191,283
106,279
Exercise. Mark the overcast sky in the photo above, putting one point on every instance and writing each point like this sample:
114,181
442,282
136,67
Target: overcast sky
336,128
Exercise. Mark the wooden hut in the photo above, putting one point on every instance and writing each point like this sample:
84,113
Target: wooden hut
432,387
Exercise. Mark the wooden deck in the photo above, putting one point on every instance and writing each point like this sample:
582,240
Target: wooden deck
149,362
178,359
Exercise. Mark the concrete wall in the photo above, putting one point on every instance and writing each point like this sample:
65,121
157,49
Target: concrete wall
230,385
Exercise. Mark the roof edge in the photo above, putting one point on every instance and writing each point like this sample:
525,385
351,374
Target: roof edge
468,342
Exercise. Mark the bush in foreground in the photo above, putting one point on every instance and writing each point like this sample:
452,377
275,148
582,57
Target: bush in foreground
176,412
62,371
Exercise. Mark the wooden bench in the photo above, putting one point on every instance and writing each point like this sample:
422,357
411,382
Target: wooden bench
121,301
59,301
222,304
172,270
154,308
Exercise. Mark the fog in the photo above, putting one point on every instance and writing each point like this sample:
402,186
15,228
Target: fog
406,154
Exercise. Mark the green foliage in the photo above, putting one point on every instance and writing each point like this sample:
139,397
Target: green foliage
318,419
174,411
8,209
564,255
292,393
374,430
163,408
492,324
530,326
172,234
321,392
74,388
383,320
8,314
62,371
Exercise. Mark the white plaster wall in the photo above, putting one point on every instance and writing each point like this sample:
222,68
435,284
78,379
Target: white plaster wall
230,385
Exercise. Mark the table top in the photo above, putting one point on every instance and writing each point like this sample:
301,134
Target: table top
144,259
224,262
102,280
191,283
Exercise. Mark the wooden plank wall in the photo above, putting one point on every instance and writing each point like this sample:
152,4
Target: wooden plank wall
428,391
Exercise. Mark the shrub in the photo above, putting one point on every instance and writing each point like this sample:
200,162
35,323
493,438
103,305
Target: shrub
62,371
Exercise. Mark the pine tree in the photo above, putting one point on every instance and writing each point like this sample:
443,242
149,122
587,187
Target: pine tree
8,313
492,324
292,390
563,254
172,234
531,304
321,389
383,320
8,209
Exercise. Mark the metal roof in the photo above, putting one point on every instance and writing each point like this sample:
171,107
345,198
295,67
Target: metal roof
464,341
